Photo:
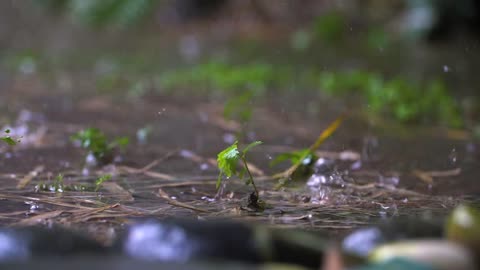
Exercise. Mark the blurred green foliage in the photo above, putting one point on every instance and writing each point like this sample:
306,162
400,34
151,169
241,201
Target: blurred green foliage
239,108
401,99
104,12
222,77
330,27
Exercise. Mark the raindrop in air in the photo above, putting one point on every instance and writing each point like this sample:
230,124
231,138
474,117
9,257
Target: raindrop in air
452,157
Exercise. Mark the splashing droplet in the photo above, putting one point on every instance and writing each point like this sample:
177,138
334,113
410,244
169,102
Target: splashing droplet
453,156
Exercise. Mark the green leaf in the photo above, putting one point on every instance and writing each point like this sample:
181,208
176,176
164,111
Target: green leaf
100,181
227,161
8,140
121,142
295,157
282,157
250,146
59,180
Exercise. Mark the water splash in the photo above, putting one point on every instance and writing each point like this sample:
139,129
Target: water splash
325,180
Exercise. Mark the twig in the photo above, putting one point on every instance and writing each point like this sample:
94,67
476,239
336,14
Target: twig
27,178
39,218
427,176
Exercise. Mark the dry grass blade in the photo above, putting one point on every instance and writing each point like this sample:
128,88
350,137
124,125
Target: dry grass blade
146,170
158,175
194,157
28,178
83,215
164,195
183,184
157,161
427,176
116,189
52,201
39,218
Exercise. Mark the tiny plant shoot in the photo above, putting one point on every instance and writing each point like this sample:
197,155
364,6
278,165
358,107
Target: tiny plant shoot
228,160
101,180
8,139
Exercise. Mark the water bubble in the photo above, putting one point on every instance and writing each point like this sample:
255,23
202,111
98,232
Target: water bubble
204,166
356,165
452,157
229,138
85,171
390,180
208,199
162,111
28,66
324,181
91,160
186,153
189,47
370,148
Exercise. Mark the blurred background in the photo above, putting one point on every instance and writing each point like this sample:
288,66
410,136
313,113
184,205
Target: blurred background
410,61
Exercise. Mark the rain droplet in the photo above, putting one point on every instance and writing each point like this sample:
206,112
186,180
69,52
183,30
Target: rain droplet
446,68
162,111
229,138
452,157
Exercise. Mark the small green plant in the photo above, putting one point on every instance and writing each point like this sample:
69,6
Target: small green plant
302,160
8,139
228,161
58,186
99,182
97,144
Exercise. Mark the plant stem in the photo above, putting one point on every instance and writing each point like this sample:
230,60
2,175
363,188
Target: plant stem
250,176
